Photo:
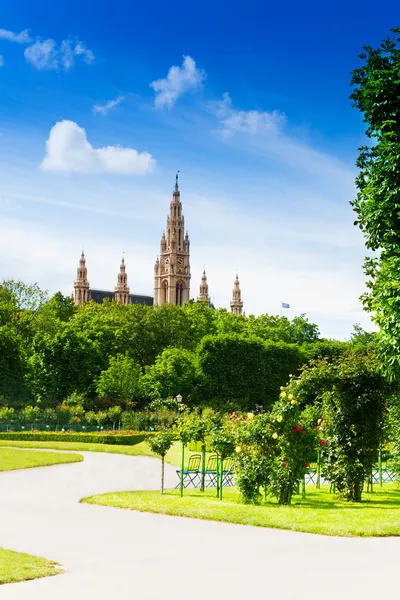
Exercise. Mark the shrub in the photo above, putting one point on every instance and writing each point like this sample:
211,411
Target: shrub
90,438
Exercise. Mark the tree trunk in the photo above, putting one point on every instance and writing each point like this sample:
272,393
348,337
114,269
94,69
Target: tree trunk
355,492
203,467
162,474
285,496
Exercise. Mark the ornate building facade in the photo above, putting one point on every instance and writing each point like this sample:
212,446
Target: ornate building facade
172,267
171,271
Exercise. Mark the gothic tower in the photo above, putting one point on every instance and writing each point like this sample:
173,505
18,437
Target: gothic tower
237,302
81,284
172,267
121,294
203,296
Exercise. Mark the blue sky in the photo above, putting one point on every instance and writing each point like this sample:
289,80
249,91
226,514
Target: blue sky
100,104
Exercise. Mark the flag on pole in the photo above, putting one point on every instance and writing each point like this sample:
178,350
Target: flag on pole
285,305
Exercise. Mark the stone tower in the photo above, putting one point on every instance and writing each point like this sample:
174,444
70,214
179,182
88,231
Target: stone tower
203,296
172,267
121,294
81,284
237,302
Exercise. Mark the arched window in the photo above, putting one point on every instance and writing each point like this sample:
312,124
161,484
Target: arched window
179,293
164,292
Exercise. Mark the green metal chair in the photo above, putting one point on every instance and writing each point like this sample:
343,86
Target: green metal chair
192,474
211,471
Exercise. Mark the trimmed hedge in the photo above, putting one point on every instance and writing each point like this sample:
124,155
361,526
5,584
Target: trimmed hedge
87,438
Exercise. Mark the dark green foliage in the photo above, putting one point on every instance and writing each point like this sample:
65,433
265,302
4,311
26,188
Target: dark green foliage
87,438
240,373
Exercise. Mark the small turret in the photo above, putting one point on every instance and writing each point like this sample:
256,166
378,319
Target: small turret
121,294
236,302
81,284
203,296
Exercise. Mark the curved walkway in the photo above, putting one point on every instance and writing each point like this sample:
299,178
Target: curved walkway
111,553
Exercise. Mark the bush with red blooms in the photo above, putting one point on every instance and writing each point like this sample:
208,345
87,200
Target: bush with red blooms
351,393
272,450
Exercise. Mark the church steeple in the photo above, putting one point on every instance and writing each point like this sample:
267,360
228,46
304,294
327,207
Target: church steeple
203,296
81,284
172,272
121,294
236,302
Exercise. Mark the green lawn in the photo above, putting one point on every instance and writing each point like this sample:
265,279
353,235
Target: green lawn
320,512
15,566
11,459
173,457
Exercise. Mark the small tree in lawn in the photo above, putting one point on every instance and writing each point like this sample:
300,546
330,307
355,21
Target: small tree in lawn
223,442
196,427
160,443
114,415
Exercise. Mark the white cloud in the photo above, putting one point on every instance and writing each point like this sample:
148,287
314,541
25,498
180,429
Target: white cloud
68,150
48,56
178,81
1,60
246,121
43,55
104,109
20,38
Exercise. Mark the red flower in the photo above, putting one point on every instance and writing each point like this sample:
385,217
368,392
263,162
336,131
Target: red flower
294,430
323,442
298,428
304,432
307,465
233,415
284,464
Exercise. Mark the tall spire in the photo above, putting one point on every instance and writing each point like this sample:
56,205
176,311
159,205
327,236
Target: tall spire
81,284
236,302
203,296
121,294
172,271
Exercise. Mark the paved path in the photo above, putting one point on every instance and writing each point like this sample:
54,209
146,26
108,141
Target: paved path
111,553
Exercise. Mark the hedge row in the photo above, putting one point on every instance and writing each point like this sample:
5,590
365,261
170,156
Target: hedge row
91,438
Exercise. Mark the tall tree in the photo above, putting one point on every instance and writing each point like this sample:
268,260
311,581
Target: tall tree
376,95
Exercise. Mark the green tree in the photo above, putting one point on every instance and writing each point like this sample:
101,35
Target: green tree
351,393
120,383
376,90
160,443
173,373
114,415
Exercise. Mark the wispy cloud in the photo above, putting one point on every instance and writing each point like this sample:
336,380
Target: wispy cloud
104,109
19,38
178,81
68,151
1,60
47,55
246,121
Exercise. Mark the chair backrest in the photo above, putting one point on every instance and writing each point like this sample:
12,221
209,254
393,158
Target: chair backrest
194,462
212,463
227,465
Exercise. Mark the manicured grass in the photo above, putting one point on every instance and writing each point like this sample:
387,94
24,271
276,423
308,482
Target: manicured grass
173,457
11,459
320,512
15,566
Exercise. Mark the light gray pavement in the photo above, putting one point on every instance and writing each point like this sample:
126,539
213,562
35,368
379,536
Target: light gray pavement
111,553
